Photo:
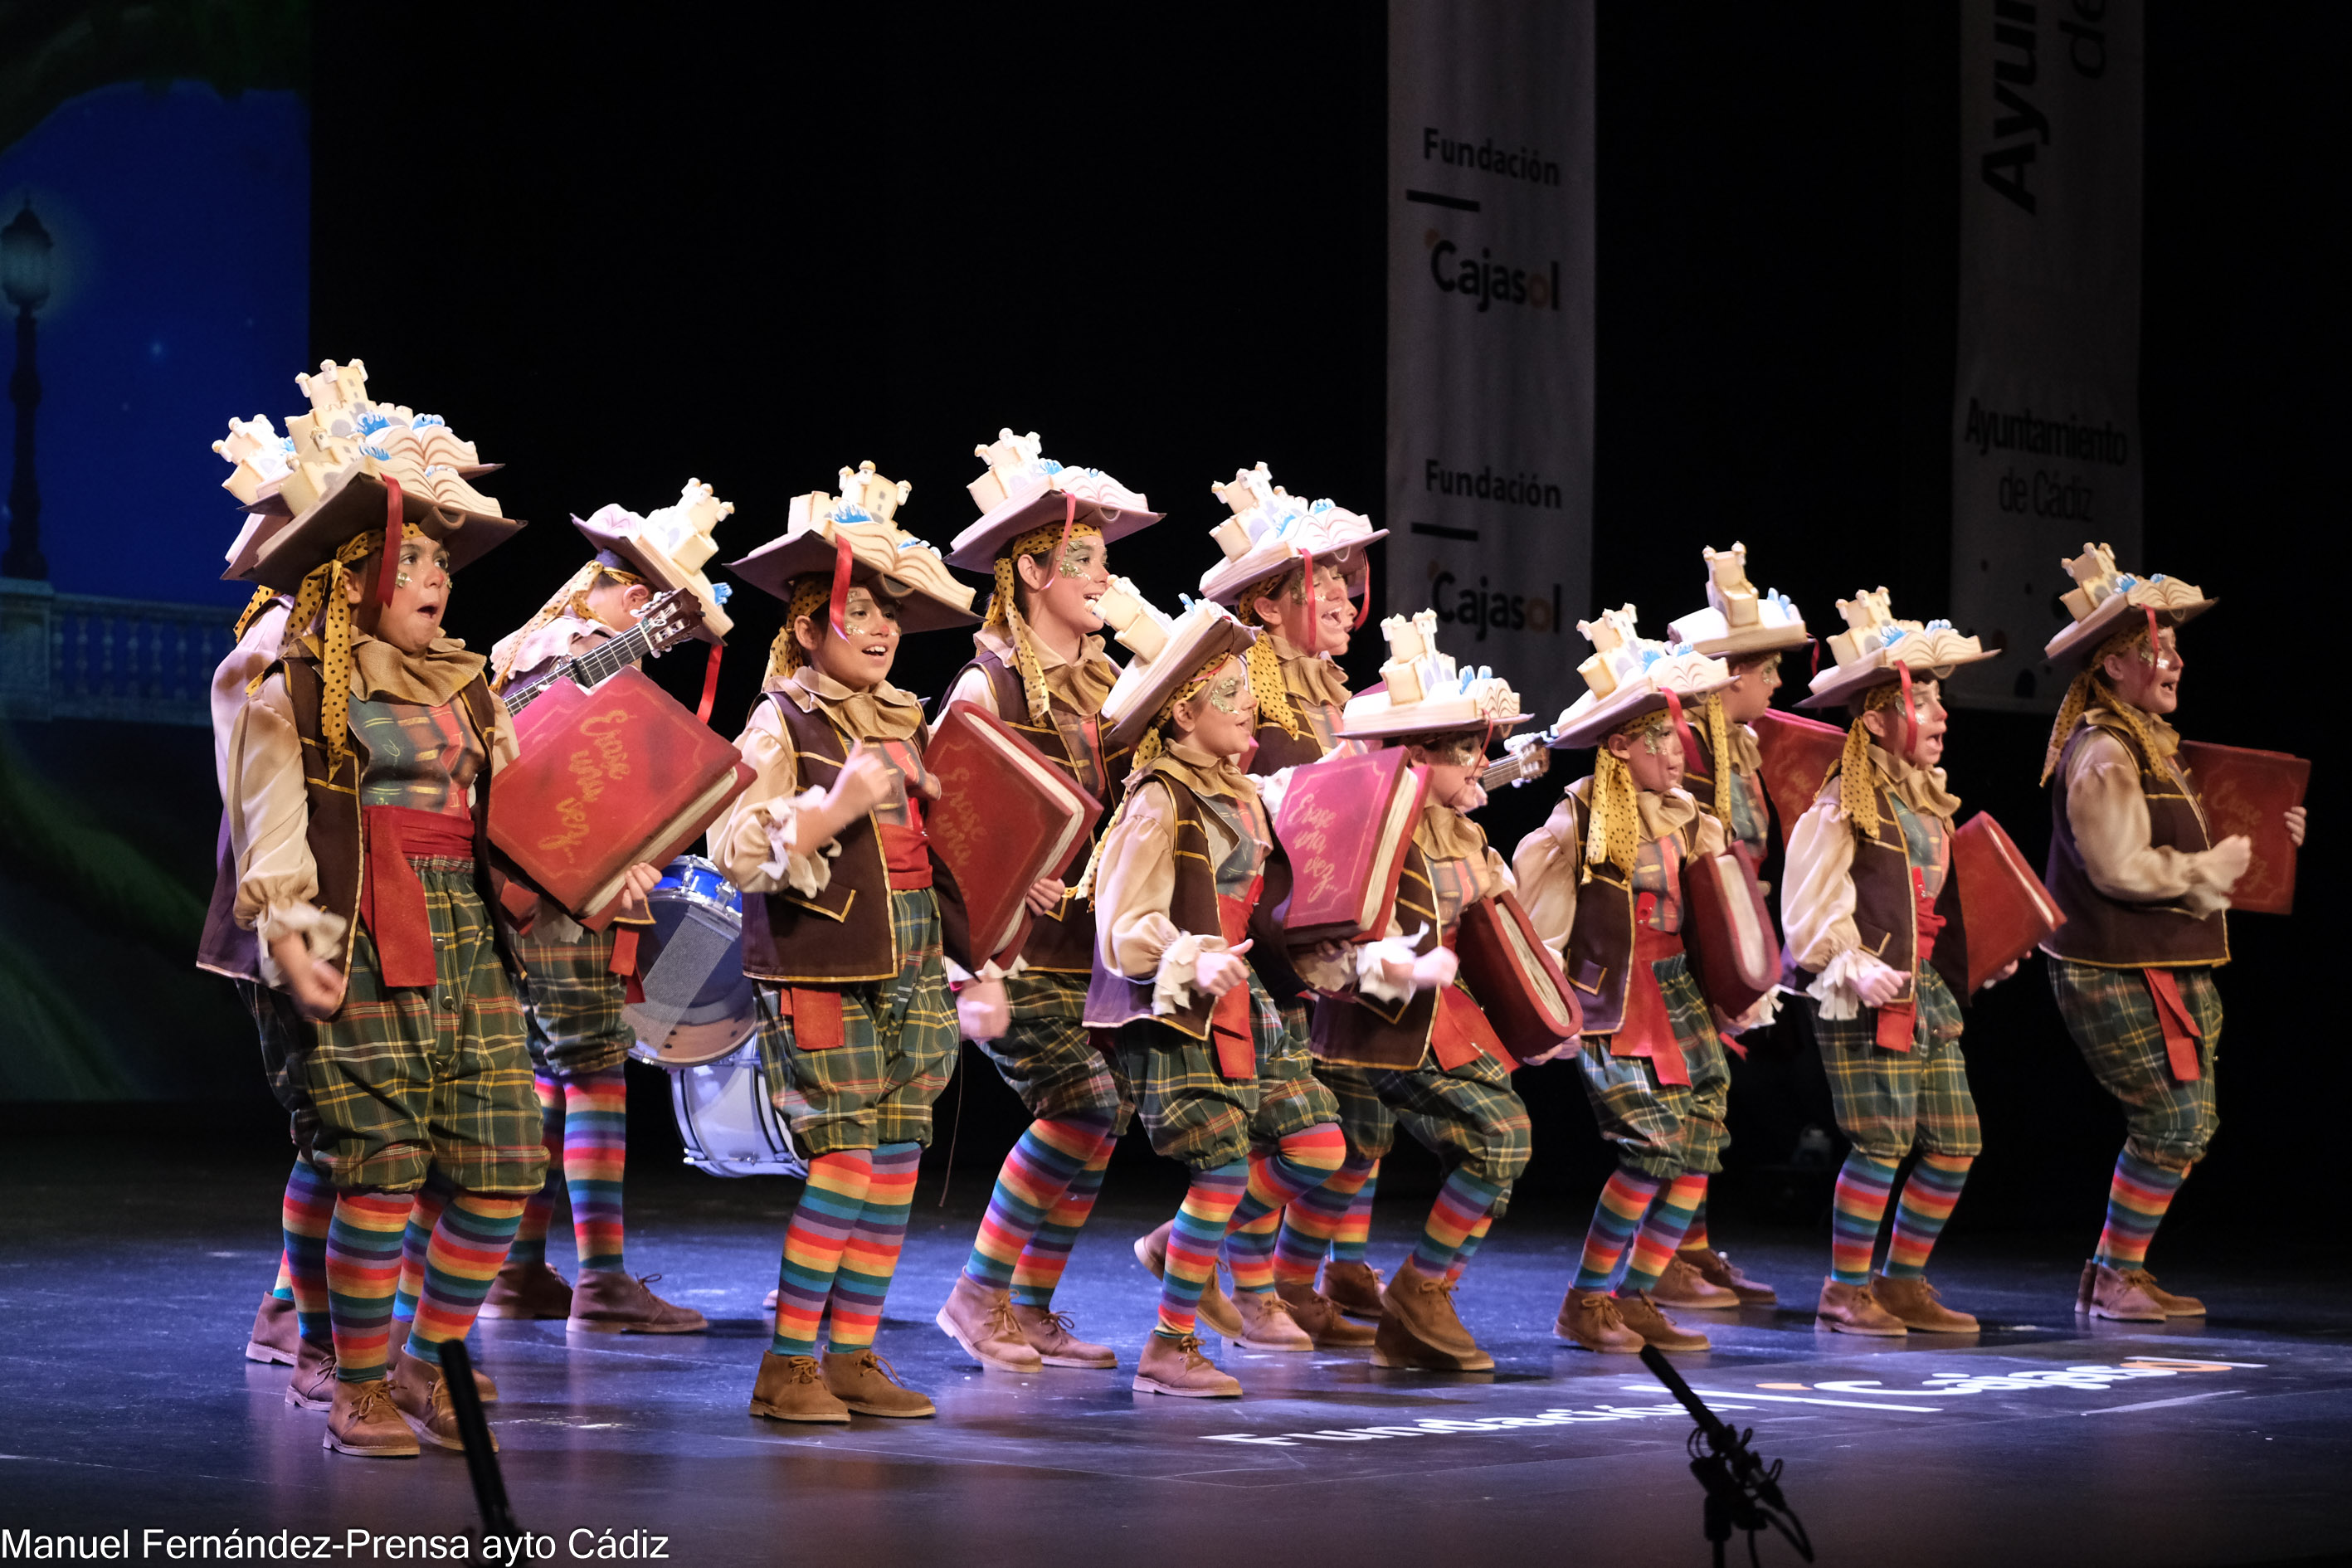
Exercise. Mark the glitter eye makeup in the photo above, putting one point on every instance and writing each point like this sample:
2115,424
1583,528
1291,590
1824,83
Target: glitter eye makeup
1077,560
1223,694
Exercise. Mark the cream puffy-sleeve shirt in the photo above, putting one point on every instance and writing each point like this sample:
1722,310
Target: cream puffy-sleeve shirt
2107,808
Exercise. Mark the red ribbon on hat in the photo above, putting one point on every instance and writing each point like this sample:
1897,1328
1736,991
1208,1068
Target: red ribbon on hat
710,684
2155,637
836,609
1910,714
1069,520
1365,611
388,568
1682,731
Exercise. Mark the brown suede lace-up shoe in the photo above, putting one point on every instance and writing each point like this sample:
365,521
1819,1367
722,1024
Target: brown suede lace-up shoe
1918,1306
1421,1329
363,1420
528,1290
1590,1320
2174,1306
793,1388
483,1389
981,1320
1718,1271
1267,1322
613,1301
1682,1286
1852,1309
1215,1307
1640,1314
1052,1335
1330,1329
312,1387
867,1384
1175,1366
2120,1294
421,1394
277,1331
1353,1288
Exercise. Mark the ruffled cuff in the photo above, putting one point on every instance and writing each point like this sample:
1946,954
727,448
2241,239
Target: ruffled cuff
1836,986
1766,1008
1372,974
1171,984
959,976
322,934
807,875
2206,893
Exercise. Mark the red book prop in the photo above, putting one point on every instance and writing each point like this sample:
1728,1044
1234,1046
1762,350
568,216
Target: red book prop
1344,824
1799,754
2250,791
2004,912
1515,977
609,778
1728,931
1005,817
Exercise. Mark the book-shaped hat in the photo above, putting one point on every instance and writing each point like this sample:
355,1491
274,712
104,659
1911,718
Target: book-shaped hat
1270,528
1168,653
1738,619
1873,645
2103,601
1424,692
855,530
1628,676
308,492
668,547
1023,491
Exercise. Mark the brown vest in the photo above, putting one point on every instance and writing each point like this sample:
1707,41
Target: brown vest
1062,942
1599,957
336,835
843,935
1364,1031
1887,905
1698,778
1114,999
2107,931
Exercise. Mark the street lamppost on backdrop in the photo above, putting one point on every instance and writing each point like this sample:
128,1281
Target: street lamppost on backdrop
24,276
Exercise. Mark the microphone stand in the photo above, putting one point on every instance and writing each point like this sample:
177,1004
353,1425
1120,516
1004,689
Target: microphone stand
481,1459
1742,1491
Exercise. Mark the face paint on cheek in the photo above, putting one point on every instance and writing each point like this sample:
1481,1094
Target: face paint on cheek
1224,695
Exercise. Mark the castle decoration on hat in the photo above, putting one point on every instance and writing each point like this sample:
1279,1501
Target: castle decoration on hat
1023,490
346,433
862,517
1169,651
1628,675
669,546
1425,692
2103,597
1876,647
1270,527
1738,619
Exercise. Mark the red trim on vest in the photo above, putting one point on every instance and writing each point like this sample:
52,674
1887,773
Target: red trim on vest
2180,1026
1229,1020
392,898
1898,1021
1648,1029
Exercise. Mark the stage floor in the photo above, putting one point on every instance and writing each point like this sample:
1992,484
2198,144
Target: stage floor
127,1282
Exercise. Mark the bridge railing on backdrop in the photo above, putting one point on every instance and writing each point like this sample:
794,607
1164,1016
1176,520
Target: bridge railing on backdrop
84,655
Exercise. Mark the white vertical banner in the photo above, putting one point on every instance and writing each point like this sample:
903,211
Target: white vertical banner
1490,332
2045,405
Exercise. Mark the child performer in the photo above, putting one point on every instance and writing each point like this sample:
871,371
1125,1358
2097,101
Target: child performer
571,997
1408,1042
1866,867
1044,535
1272,544
1748,631
1176,876
2145,890
841,926
1602,884
360,773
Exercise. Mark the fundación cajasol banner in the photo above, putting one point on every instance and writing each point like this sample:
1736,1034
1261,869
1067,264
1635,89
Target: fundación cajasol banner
2045,407
1490,332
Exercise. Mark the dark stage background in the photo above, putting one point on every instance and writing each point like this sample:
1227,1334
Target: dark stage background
756,253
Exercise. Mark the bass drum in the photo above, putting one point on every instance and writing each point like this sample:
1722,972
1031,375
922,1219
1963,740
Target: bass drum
729,1125
699,1006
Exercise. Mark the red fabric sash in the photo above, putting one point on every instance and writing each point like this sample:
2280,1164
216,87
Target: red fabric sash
1229,1020
1898,1021
392,898
2180,1026
1648,1029
907,852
